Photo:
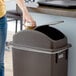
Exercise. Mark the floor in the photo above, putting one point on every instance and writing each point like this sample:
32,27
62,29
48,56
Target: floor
8,63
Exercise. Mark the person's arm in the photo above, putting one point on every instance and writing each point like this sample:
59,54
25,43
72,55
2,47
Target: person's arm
26,16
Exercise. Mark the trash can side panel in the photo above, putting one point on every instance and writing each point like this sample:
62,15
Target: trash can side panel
31,63
59,64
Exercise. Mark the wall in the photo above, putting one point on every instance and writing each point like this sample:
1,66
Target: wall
10,4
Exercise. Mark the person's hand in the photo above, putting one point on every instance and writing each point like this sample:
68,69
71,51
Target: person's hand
29,19
26,16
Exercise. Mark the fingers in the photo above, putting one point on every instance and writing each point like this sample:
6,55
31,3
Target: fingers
30,25
29,21
33,24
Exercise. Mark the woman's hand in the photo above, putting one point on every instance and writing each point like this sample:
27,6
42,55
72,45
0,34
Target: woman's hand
27,18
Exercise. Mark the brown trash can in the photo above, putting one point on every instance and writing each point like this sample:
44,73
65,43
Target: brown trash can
38,54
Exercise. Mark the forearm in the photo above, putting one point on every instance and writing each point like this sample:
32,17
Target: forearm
26,16
22,6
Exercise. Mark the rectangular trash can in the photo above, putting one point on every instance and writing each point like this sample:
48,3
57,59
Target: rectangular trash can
36,53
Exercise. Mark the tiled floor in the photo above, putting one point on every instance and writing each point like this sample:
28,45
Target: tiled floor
8,63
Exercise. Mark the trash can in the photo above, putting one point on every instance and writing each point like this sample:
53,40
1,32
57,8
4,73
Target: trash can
39,53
